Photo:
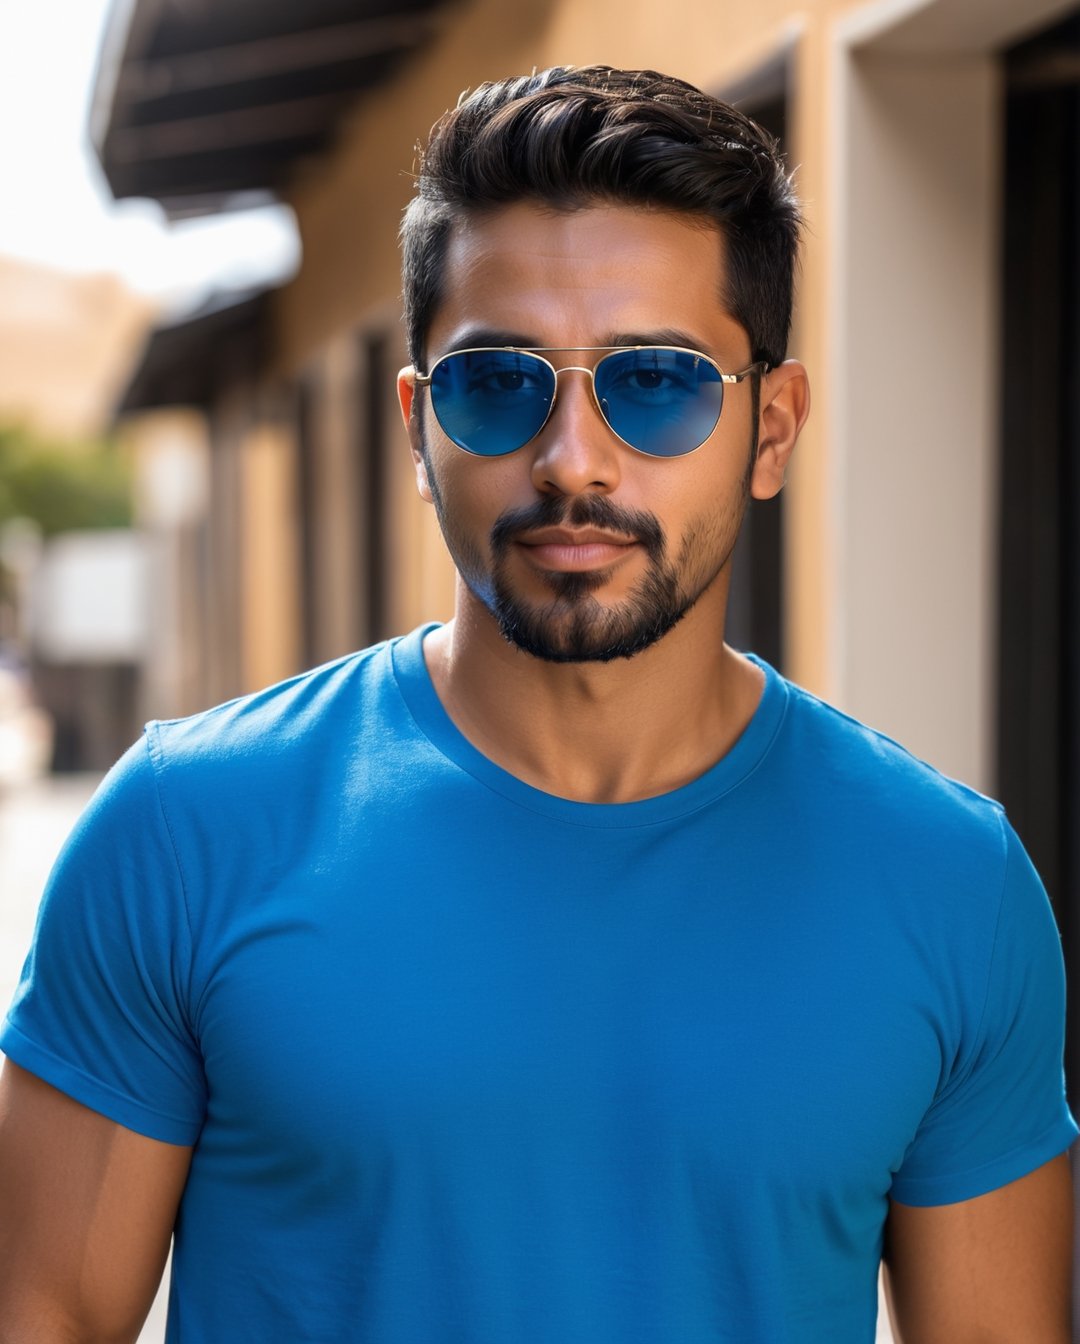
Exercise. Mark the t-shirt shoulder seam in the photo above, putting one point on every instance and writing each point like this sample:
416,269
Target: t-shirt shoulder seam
1006,860
155,750
355,656
961,1064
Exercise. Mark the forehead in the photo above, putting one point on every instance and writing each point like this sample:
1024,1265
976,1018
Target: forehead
583,277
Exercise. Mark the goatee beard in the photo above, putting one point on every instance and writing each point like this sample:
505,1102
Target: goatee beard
573,627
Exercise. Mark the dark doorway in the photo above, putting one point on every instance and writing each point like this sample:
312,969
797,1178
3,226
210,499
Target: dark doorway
306,448
1039,588
373,378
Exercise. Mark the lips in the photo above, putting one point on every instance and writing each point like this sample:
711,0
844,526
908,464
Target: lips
567,536
568,550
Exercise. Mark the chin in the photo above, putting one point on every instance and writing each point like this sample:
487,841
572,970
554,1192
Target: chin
588,634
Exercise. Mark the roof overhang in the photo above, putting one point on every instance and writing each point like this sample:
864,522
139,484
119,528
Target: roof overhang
204,104
184,363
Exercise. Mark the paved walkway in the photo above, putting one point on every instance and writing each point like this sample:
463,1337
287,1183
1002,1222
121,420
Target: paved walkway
34,822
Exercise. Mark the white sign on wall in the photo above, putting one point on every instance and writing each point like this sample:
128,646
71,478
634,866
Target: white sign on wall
89,598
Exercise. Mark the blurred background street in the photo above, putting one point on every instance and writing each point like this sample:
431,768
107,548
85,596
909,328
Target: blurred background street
34,820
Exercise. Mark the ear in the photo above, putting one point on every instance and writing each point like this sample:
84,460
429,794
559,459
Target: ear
406,390
784,406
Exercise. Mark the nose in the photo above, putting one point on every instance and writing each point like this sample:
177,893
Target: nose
576,452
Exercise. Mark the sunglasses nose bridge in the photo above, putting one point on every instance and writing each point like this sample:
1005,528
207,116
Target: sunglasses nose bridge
575,452
590,374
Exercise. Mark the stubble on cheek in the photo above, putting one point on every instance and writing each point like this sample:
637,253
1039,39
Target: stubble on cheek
466,555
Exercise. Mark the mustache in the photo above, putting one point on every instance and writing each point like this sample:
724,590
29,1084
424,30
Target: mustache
580,511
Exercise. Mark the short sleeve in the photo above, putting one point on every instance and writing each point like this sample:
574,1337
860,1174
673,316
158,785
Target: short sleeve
102,1008
1001,1110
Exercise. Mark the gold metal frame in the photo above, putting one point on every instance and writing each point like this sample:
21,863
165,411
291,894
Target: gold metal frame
538,352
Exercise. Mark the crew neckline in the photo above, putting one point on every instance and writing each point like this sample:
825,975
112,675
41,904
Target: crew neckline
746,754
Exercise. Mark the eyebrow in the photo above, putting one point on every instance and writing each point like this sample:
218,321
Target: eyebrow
662,336
483,337
472,338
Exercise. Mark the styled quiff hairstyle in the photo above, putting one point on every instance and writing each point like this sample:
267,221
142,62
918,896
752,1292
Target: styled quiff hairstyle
568,138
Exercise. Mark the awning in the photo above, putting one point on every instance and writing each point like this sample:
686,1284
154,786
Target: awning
205,105
186,362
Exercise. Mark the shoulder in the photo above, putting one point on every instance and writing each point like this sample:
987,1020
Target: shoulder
257,764
884,800
273,720
213,773
877,776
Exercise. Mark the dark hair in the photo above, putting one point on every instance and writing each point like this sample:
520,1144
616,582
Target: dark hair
567,137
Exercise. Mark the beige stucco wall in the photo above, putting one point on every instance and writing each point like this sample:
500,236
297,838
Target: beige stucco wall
270,565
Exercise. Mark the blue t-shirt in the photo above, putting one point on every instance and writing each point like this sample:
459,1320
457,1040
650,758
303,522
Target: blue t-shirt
467,1063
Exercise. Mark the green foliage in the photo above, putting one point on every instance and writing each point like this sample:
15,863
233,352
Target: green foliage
63,486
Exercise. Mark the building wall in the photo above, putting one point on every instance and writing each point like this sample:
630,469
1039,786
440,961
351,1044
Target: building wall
893,114
269,561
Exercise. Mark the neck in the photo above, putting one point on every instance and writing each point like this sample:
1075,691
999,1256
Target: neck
596,732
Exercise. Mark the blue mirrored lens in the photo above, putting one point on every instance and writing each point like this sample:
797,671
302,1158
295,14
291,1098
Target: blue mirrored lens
491,402
662,402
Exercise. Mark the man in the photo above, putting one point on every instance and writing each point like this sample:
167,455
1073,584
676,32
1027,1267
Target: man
557,974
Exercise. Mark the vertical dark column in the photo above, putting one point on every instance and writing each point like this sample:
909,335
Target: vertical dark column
755,617
1069,513
372,419
1039,591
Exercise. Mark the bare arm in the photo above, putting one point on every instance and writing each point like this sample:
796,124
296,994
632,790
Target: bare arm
991,1270
86,1213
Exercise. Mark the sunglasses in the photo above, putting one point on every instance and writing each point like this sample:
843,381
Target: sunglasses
658,399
